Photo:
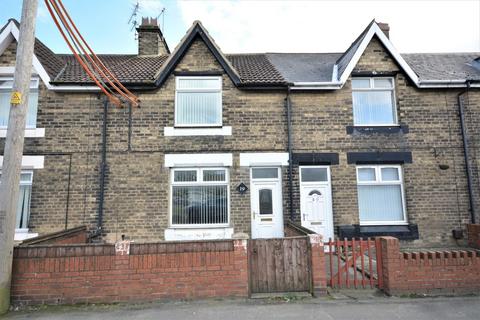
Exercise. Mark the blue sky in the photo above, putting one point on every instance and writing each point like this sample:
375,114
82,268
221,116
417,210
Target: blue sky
271,26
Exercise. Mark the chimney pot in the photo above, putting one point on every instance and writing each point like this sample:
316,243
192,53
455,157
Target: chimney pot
385,28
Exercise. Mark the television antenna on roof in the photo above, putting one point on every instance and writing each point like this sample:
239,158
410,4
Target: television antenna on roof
133,20
162,14
133,17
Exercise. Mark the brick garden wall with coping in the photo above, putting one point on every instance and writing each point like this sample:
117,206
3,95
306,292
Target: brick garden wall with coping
429,272
90,273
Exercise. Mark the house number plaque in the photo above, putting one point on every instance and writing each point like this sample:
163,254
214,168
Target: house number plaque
242,188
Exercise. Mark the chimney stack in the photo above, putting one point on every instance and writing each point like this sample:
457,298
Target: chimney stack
150,39
385,28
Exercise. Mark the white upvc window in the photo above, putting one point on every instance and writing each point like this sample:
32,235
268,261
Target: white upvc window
6,84
200,197
23,206
381,196
374,101
198,101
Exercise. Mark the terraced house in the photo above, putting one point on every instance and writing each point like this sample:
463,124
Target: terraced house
359,143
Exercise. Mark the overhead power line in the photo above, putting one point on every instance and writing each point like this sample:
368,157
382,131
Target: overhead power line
88,60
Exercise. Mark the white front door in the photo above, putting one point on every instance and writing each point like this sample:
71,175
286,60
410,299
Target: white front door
316,200
266,203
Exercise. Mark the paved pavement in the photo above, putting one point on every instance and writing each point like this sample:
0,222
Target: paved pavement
305,309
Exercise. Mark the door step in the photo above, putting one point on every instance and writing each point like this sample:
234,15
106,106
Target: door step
283,295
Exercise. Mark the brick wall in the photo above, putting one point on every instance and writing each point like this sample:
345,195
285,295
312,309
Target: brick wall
136,272
319,274
429,272
473,234
137,184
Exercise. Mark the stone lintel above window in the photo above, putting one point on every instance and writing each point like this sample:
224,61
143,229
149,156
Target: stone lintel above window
379,157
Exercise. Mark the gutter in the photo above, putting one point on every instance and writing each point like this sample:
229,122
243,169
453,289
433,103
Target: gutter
466,152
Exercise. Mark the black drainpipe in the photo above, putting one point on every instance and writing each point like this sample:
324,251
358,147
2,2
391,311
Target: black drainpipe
290,153
103,169
466,153
68,191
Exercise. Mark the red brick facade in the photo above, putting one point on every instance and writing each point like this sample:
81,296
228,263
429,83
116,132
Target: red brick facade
95,273
429,272
473,234
319,275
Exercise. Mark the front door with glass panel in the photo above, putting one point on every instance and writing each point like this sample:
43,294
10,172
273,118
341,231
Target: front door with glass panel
316,200
266,203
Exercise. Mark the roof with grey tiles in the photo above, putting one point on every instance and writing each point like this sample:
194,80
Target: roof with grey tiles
444,66
261,69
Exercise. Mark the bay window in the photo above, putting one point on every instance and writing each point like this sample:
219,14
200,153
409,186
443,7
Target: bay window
198,101
6,85
381,198
199,197
373,102
23,206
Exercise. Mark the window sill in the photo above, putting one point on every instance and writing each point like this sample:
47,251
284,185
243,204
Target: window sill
29,133
22,234
377,129
199,233
402,232
181,132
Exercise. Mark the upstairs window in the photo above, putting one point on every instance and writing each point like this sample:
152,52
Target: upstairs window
6,85
381,198
198,102
23,205
200,197
373,102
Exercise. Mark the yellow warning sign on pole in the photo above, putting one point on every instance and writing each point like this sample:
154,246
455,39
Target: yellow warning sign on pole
16,98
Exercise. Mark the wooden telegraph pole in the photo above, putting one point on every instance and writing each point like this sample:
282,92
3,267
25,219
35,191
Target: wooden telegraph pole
12,155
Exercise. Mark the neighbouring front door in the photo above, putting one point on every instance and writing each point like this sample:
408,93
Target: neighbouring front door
266,203
316,200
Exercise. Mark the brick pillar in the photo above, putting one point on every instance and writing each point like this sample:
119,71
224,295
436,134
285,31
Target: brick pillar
473,234
318,270
390,247
240,251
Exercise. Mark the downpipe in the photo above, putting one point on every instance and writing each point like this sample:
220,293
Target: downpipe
466,153
103,169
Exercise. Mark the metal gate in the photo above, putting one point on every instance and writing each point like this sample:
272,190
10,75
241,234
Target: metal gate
354,263
280,265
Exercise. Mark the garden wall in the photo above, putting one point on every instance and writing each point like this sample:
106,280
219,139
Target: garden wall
89,273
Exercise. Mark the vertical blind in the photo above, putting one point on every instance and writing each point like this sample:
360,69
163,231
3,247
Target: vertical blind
31,112
373,102
200,205
199,196
380,196
380,203
198,101
23,206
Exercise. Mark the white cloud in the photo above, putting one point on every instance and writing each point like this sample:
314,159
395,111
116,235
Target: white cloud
42,12
330,26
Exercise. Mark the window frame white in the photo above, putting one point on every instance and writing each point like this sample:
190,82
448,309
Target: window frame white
278,178
379,181
33,88
300,168
373,89
199,182
24,183
198,90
